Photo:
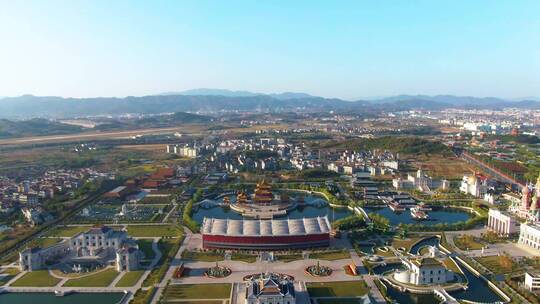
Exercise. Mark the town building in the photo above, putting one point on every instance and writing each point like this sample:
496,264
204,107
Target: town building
502,223
36,215
119,192
445,184
529,235
474,185
532,280
183,150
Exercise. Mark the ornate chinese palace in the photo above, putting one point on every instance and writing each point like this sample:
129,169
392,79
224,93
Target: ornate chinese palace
262,204
270,288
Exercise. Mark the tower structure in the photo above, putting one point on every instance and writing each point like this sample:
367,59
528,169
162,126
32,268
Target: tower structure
263,194
525,197
536,198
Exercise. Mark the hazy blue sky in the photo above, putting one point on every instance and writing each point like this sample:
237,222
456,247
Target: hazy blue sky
328,48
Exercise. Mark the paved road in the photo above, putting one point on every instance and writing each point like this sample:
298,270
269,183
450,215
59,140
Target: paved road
173,209
489,170
177,261
374,292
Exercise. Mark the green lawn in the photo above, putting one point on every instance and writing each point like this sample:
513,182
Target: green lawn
197,291
202,256
130,278
7,274
43,242
406,243
499,264
451,265
288,257
68,231
424,250
337,289
38,278
154,231
330,255
146,247
467,243
47,242
249,258
101,279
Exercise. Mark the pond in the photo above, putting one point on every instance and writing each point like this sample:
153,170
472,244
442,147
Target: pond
381,269
50,298
436,216
367,248
314,206
410,298
478,290
432,241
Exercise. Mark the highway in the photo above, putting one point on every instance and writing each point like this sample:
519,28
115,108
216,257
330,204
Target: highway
489,170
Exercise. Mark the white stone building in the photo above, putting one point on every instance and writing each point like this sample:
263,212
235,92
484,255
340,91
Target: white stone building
502,223
473,185
532,281
529,235
424,271
183,150
98,243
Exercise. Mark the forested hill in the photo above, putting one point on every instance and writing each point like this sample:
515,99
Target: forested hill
40,126
34,127
405,145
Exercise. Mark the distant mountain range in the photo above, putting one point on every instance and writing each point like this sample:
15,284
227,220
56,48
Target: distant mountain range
214,100
229,93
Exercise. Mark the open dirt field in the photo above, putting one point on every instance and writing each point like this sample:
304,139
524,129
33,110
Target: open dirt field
442,167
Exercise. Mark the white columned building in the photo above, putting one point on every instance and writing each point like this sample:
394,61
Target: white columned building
502,223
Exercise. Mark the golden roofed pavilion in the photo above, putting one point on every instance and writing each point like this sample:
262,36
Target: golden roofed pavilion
241,198
263,194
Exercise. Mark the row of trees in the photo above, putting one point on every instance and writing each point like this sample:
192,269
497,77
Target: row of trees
187,219
348,223
461,225
406,145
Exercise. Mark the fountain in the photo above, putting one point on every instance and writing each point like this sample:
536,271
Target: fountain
218,271
318,270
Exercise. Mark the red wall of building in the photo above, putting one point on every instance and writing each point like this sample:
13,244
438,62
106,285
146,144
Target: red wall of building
266,239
